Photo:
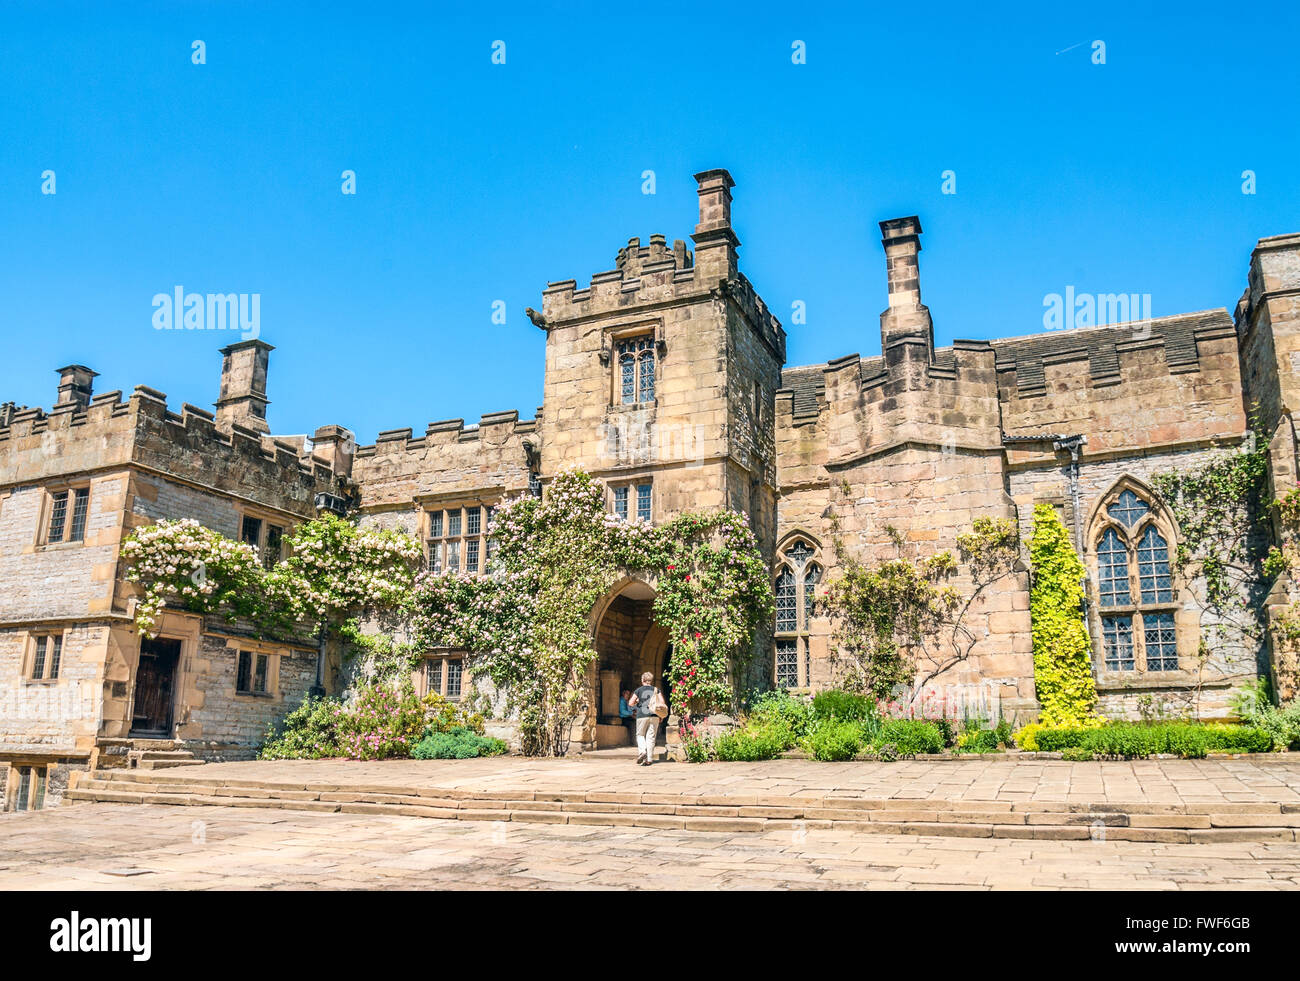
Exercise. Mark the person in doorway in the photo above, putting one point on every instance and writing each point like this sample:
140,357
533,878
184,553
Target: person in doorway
647,722
626,715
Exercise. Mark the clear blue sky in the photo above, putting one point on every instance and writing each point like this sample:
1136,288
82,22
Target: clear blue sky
480,182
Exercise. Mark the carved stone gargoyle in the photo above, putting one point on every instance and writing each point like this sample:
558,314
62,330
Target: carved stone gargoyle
538,319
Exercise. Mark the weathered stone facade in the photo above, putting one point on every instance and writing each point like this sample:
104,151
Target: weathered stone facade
665,377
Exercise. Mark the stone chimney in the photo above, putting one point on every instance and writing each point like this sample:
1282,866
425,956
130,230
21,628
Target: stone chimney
337,447
75,384
907,316
243,386
715,242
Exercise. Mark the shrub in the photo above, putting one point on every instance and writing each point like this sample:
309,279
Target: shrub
835,703
1238,739
1003,731
750,744
1076,754
833,740
1283,724
887,752
910,736
780,708
697,749
978,741
456,744
1137,740
1027,736
946,730
309,732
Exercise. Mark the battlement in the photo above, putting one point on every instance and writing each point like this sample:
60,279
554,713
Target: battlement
492,428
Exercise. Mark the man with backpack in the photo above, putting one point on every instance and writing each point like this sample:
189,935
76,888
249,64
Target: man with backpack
650,708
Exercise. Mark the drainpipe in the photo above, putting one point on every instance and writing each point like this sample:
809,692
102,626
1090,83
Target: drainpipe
1072,445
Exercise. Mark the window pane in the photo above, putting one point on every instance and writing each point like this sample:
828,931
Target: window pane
785,601
433,677
435,524
244,671
1117,635
812,575
24,788
251,532
647,393
56,654
1128,509
1153,568
38,661
58,516
473,521
643,502
259,680
627,370
787,664
81,503
471,555
274,538
1158,632
453,679
620,502
38,800
453,556
1112,570
453,523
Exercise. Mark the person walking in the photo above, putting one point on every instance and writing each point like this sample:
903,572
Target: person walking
647,719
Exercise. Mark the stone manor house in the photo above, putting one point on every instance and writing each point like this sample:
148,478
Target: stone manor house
666,377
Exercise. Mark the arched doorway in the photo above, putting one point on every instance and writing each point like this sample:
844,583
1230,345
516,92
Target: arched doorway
628,643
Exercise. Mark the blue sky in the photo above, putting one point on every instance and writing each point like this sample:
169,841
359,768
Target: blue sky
479,182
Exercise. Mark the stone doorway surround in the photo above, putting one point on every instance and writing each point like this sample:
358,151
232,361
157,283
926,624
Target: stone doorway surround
628,643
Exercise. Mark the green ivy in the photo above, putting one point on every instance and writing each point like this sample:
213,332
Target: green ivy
1063,678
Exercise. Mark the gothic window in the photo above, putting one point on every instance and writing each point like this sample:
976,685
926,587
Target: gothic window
794,610
636,369
1135,591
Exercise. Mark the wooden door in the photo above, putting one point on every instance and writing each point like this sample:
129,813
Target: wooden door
155,682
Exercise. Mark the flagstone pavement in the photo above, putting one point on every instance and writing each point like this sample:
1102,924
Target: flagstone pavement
122,847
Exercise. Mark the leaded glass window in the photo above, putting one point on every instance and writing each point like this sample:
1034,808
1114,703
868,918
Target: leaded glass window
1153,568
453,678
473,520
435,524
1162,651
1112,567
1117,635
24,787
38,662
786,616
636,369
1128,509
620,503
80,505
471,555
787,663
433,676
643,502
58,516
56,655
812,575
453,523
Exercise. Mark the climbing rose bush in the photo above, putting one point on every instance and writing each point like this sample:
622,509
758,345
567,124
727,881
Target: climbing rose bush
526,623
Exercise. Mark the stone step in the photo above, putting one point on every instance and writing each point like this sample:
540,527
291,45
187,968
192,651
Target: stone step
162,764
916,818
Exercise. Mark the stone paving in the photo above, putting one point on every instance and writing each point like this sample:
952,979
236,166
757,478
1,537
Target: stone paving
1273,779
117,847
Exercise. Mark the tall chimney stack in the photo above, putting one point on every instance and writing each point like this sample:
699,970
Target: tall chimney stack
75,384
243,386
715,242
907,316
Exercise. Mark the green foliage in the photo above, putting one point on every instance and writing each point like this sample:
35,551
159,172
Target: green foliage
978,741
1062,654
887,752
1076,754
1283,724
748,745
309,732
833,740
835,703
781,709
910,736
698,749
900,616
1130,740
526,625
456,744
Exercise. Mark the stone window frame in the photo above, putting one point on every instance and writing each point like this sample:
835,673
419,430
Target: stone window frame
37,786
463,506
268,520
70,490
631,487
443,658
51,669
799,555
1137,612
622,333
273,655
